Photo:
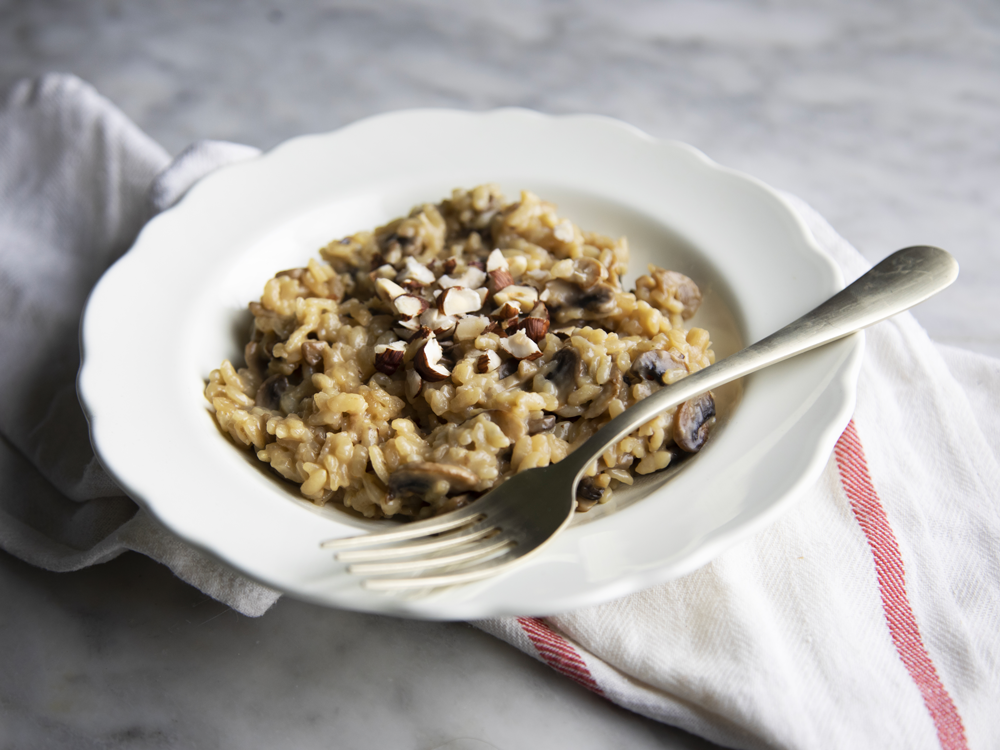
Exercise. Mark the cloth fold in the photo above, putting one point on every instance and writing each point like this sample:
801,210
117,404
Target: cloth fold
867,616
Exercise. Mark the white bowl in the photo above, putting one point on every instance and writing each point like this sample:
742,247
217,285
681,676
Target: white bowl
174,307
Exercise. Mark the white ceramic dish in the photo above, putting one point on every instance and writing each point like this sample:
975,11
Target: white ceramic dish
174,306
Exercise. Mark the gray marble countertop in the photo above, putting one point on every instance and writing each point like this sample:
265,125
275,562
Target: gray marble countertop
883,116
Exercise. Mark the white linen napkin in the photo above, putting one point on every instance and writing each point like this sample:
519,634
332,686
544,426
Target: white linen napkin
867,616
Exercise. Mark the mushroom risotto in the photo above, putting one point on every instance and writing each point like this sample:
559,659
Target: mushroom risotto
416,366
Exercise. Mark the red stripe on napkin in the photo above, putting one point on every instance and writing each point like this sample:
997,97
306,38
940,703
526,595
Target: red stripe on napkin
558,653
903,628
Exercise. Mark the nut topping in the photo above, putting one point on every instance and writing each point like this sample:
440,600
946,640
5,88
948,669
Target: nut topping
524,297
496,262
535,328
472,278
388,357
417,271
488,361
410,305
521,347
428,361
388,289
457,300
470,327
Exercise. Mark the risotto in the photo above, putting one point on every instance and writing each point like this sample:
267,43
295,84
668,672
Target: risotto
412,368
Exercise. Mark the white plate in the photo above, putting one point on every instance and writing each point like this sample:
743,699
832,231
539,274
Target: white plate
175,305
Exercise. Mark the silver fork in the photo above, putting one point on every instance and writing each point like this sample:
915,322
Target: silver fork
519,517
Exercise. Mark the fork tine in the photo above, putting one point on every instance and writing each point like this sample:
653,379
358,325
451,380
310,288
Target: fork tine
490,569
403,566
417,529
416,548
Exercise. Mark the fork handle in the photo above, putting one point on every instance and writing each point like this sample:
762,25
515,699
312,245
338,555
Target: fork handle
902,280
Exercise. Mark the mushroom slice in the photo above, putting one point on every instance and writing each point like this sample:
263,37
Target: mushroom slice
588,494
312,352
542,424
521,347
693,421
598,300
458,300
270,392
429,478
587,272
681,288
594,302
507,368
656,363
388,357
428,361
565,369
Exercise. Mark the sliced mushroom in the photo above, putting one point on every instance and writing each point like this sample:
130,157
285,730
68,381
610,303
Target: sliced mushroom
693,421
427,478
255,357
588,494
587,272
598,300
507,368
681,288
656,363
565,370
270,392
312,352
542,424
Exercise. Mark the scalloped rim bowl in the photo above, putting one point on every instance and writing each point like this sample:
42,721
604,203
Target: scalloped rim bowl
174,307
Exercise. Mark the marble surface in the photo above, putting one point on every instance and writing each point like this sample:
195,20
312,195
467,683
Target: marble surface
883,116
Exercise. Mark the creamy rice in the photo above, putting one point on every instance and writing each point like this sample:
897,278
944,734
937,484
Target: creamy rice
412,368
